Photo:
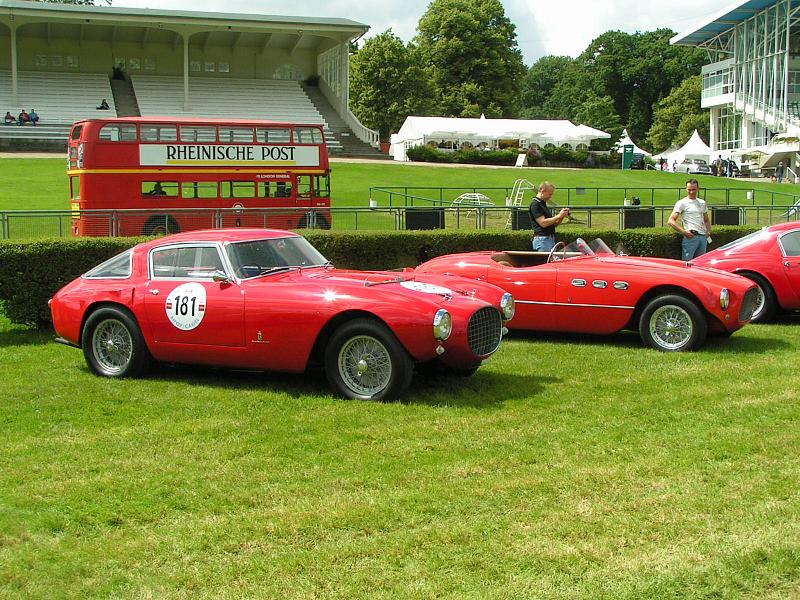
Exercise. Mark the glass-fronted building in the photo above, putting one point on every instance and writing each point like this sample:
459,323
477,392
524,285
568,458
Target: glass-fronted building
752,85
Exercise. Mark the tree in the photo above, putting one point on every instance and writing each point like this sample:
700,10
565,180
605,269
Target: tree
538,83
600,113
386,83
637,70
678,115
469,49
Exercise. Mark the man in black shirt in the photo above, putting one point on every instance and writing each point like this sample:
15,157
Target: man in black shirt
544,223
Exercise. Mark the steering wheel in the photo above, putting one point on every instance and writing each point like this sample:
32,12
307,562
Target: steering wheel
553,251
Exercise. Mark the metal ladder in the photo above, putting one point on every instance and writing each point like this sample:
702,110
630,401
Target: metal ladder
517,196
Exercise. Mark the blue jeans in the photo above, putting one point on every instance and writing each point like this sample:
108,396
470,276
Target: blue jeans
543,243
693,247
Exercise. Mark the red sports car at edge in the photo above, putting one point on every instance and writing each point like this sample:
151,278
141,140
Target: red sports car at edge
266,299
586,288
771,259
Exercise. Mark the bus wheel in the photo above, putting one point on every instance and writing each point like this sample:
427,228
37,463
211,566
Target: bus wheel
161,226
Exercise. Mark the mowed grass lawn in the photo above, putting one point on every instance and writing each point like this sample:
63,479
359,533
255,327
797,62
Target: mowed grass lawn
565,468
41,183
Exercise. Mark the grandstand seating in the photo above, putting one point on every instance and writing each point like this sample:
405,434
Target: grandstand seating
59,98
215,97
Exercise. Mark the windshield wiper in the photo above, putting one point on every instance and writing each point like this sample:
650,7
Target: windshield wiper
271,270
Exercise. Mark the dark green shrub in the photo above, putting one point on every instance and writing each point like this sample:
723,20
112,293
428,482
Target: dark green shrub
31,272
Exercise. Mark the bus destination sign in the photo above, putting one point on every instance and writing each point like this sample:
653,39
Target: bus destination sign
228,155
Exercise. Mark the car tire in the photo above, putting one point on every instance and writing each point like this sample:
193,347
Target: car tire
672,323
365,361
113,344
766,306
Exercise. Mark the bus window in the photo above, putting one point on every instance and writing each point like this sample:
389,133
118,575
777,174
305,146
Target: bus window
304,186
237,189
160,188
273,135
76,132
198,134
118,133
284,189
307,135
155,133
236,134
322,185
75,188
264,189
199,189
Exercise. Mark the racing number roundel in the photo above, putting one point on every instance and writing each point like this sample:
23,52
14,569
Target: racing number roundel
186,306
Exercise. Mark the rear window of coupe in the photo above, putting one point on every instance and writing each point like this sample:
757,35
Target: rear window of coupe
118,267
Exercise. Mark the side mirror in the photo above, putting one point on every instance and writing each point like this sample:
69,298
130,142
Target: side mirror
220,277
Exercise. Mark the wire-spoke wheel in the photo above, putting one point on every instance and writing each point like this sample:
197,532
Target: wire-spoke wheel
113,344
364,360
672,324
365,365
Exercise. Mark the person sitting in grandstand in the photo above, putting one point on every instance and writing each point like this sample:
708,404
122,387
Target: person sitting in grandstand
10,120
23,118
34,118
103,105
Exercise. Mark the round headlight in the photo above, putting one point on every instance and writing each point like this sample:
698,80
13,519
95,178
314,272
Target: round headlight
724,299
507,306
442,324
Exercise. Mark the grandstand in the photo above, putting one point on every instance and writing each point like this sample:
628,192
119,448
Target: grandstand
145,63
225,98
63,98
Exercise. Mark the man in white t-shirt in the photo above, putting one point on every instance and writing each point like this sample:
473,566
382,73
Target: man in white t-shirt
695,226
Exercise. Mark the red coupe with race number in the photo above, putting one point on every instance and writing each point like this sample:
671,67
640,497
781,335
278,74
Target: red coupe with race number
586,288
266,299
769,257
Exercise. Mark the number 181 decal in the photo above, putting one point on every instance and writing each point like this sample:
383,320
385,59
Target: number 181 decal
186,306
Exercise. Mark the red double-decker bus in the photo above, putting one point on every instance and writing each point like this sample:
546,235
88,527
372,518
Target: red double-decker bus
176,174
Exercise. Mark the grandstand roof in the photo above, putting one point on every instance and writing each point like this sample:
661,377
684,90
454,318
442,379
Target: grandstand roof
722,21
113,16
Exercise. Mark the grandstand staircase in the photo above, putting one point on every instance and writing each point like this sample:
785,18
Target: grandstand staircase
124,98
341,139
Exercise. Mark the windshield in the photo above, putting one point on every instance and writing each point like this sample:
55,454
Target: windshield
261,257
594,248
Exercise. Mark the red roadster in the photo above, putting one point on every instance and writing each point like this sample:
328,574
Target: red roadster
264,299
586,288
770,258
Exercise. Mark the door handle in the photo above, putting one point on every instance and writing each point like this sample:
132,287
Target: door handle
154,292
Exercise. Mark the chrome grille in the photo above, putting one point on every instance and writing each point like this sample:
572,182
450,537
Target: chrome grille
748,304
485,331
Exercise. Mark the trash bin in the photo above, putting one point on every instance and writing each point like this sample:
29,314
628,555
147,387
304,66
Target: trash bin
724,216
634,217
424,218
521,219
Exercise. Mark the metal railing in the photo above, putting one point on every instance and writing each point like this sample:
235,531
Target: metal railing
49,223
583,196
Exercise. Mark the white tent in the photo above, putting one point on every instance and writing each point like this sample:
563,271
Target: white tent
694,148
455,132
626,140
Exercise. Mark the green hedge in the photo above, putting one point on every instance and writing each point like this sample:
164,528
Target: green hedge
31,272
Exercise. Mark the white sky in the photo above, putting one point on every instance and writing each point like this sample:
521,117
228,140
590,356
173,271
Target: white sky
563,27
